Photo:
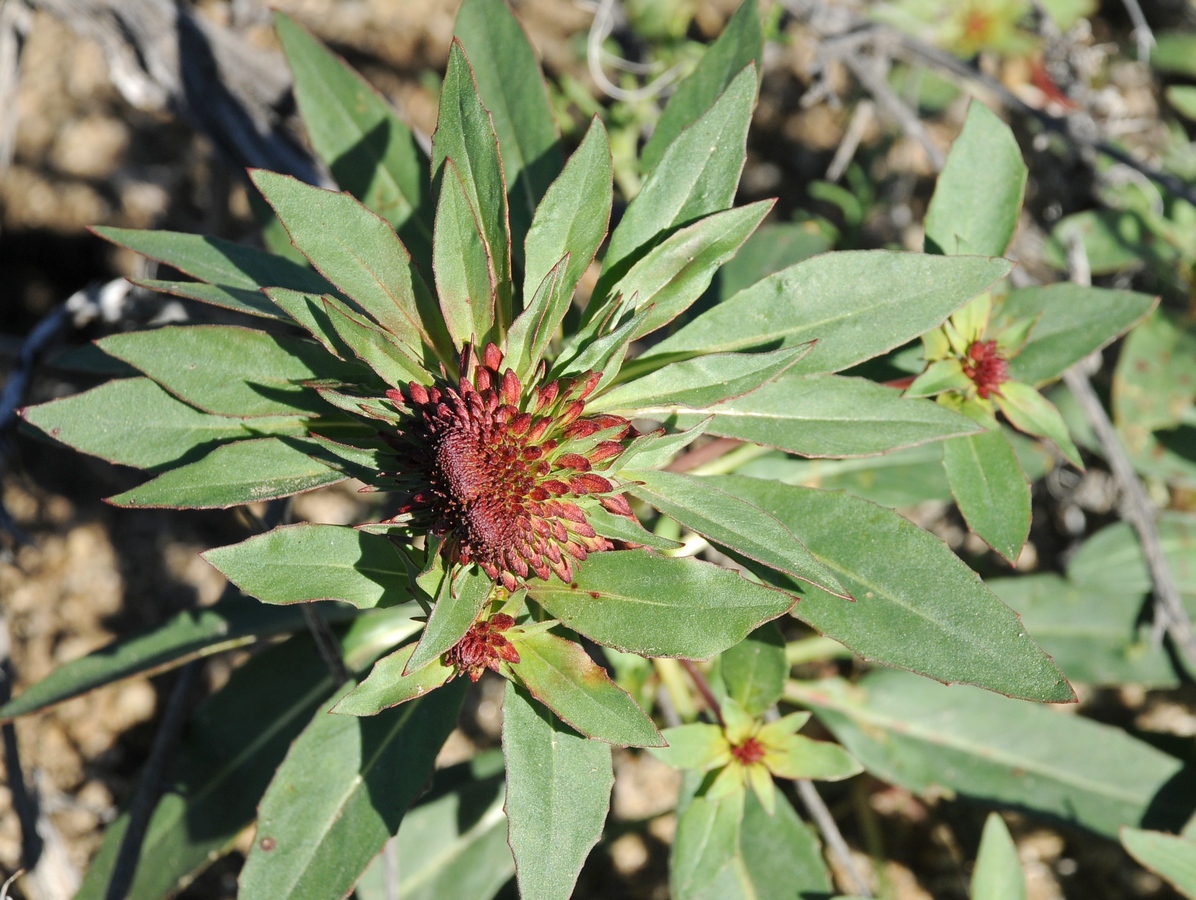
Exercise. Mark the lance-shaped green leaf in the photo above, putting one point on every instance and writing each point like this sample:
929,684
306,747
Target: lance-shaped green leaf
697,175
998,874
135,422
741,44
560,675
360,253
801,757
620,528
387,358
218,774
1114,240
575,212
238,299
558,793
734,847
309,312
387,686
1167,855
234,474
465,276
926,737
1155,380
771,248
978,195
534,328
674,273
695,746
856,304
941,375
459,601
1113,556
1073,321
453,843
917,605
901,478
704,847
1029,411
754,670
371,152
218,261
189,635
777,853
1091,630
655,449
829,416
991,489
731,522
319,826
228,370
605,353
660,606
512,89
696,383
465,135
299,563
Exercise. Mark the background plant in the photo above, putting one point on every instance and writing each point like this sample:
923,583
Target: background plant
758,367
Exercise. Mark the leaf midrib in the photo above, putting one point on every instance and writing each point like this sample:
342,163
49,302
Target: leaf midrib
351,789
984,753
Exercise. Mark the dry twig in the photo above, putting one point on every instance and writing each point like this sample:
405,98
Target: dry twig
1170,617
149,788
600,30
163,58
842,34
822,817
15,19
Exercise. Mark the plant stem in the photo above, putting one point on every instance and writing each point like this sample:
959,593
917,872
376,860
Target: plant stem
822,817
703,686
676,689
731,461
815,649
150,786
1169,613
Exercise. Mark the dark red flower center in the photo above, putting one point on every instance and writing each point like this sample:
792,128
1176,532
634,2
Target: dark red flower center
750,751
986,367
482,647
498,473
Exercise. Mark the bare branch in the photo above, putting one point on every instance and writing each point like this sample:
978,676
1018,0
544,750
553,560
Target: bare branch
14,25
872,75
845,152
1170,617
1143,36
163,58
837,23
818,811
600,30
149,788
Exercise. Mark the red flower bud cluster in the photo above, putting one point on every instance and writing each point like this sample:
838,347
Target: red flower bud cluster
482,647
498,471
987,368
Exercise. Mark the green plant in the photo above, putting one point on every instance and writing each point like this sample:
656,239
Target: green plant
433,351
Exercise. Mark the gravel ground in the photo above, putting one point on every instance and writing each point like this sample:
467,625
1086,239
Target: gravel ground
91,572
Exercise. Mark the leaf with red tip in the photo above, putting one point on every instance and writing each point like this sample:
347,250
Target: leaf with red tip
387,686
560,675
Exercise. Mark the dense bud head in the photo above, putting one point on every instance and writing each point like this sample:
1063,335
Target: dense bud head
494,468
987,368
750,751
483,647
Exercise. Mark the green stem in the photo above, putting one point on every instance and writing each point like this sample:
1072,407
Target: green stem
815,649
672,677
729,462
